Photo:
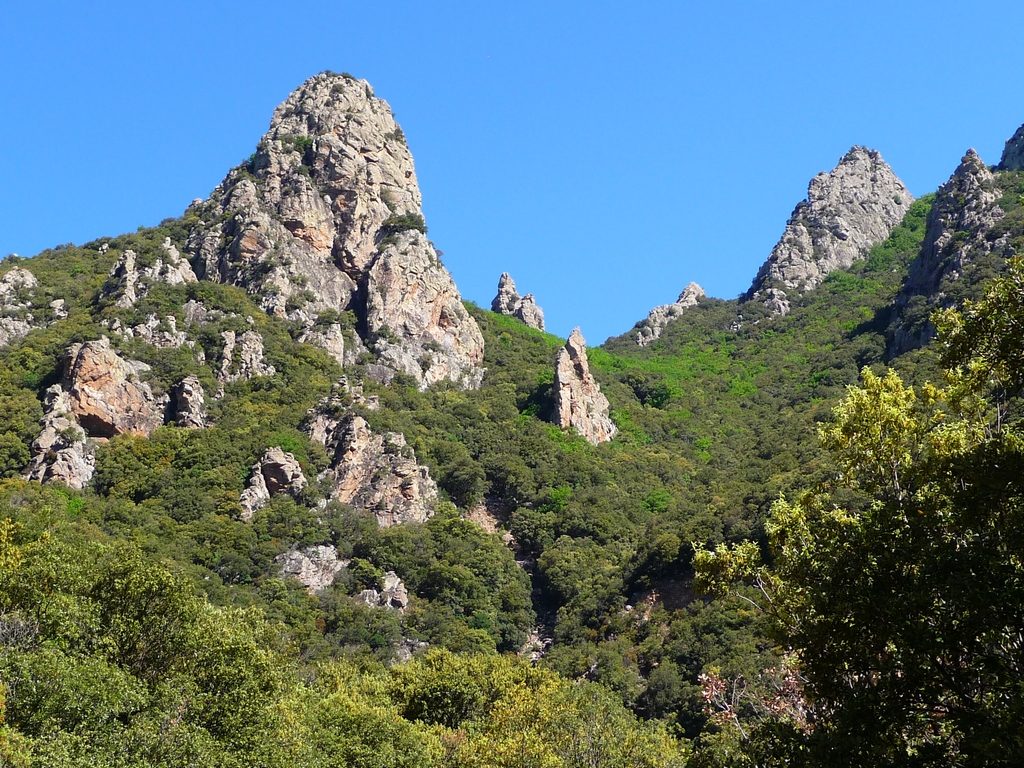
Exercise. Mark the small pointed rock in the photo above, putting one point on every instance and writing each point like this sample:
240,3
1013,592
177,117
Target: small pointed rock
650,329
509,302
579,403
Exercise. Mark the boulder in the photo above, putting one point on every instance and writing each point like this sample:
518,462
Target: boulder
276,472
315,567
392,594
579,403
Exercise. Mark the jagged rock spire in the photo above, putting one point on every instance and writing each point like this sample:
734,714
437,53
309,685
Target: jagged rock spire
847,211
327,215
579,403
509,302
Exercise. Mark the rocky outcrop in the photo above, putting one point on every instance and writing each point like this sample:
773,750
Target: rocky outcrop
315,567
100,395
579,403
157,332
327,215
392,594
958,233
847,211
242,357
188,403
276,472
105,392
129,281
1013,152
649,330
16,289
369,471
416,318
61,452
509,302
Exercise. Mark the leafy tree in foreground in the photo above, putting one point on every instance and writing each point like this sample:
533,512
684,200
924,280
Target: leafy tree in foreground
898,586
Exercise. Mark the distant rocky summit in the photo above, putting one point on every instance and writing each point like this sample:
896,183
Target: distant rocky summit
579,403
1013,153
959,233
327,216
847,211
509,302
649,330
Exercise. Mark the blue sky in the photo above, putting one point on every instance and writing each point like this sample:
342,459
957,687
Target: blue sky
603,153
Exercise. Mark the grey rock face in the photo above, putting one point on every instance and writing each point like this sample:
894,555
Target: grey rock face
509,302
374,472
650,329
188,403
276,472
242,357
128,282
579,403
416,317
1013,153
61,452
962,216
315,567
847,211
155,331
325,217
393,594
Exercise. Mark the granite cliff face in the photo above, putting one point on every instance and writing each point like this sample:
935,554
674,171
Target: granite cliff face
327,215
847,211
958,234
509,302
650,329
579,403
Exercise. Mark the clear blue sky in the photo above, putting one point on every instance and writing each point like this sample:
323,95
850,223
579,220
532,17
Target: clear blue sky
603,153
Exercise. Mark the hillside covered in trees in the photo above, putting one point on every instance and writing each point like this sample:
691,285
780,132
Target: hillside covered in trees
272,494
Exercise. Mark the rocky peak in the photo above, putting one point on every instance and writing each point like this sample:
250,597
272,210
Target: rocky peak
847,211
650,329
957,234
579,403
509,302
327,215
369,471
1013,153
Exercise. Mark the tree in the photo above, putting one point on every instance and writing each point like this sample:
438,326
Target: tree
899,584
